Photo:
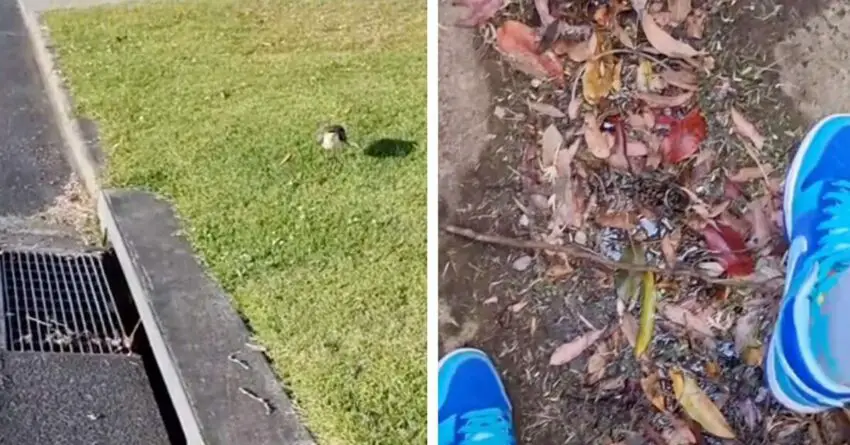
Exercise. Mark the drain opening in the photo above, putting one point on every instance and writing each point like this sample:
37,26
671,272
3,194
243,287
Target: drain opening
77,303
59,303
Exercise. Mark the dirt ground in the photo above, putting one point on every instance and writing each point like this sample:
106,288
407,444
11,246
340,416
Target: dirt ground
490,299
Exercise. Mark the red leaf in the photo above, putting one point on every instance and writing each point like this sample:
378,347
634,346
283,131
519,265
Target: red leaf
730,248
518,43
478,11
685,137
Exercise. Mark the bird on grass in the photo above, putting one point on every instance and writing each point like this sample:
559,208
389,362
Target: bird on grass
332,137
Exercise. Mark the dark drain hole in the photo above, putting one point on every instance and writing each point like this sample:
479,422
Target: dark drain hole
79,304
130,318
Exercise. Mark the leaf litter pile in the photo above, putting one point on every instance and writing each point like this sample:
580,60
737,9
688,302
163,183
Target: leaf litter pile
623,186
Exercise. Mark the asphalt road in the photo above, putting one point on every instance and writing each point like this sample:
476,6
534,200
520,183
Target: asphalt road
33,169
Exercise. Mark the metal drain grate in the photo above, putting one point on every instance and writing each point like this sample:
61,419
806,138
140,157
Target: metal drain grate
59,303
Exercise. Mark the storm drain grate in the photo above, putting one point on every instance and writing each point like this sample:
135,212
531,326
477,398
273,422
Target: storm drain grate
59,303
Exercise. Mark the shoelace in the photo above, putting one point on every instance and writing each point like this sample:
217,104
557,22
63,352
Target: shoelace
486,427
833,252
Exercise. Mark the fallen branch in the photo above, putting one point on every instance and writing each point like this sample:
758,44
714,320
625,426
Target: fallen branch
580,252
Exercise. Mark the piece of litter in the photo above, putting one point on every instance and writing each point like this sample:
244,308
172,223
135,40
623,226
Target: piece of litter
256,347
255,397
232,357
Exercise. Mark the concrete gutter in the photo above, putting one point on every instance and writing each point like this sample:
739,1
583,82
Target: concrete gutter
189,320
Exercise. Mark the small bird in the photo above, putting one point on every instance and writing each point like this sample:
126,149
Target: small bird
332,137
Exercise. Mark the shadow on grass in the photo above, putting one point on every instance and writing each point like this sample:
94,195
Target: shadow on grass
390,148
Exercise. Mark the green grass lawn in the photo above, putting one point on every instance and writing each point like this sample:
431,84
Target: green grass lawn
214,104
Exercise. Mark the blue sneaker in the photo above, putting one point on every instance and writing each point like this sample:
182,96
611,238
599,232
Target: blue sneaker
474,407
808,363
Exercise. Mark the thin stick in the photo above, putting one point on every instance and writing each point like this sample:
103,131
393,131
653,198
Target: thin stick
251,394
583,253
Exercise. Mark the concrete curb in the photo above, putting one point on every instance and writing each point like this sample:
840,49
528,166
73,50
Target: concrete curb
211,412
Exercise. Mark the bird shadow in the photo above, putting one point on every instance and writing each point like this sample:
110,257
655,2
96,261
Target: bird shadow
390,148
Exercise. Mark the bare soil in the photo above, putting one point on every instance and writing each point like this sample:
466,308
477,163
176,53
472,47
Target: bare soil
519,317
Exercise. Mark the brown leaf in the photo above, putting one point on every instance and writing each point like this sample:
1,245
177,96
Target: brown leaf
616,220
652,389
683,79
679,433
596,364
629,326
669,244
746,129
745,331
699,406
747,174
550,144
658,100
664,42
686,318
518,43
594,138
546,109
753,355
565,158
636,148
757,216
680,9
695,25
582,51
479,11
574,108
567,352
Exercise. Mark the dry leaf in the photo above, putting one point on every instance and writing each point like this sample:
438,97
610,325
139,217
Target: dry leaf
582,51
647,80
518,43
686,318
636,148
596,364
680,9
564,161
658,100
517,307
753,355
574,108
747,174
601,78
594,138
679,434
746,129
699,406
616,220
695,26
745,331
569,351
647,315
664,42
546,109
652,388
550,144
629,326
558,272
685,80
669,244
